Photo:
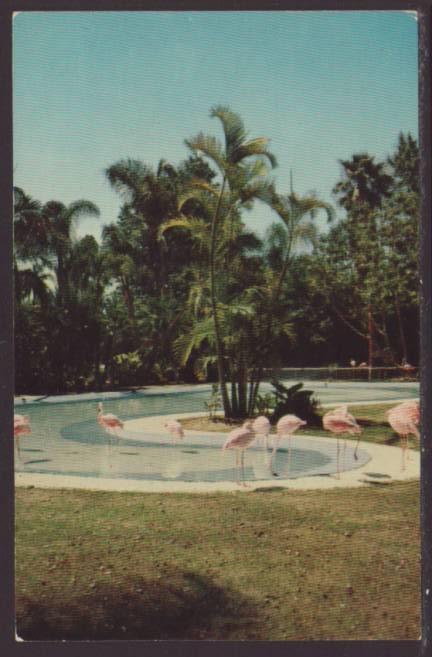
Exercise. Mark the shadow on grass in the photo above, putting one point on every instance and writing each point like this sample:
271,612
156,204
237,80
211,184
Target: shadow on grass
181,605
269,489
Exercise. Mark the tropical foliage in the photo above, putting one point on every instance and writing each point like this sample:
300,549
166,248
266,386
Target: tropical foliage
180,289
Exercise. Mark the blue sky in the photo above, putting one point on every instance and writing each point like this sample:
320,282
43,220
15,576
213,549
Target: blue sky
91,88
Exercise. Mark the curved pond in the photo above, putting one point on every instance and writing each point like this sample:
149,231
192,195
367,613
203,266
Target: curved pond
67,440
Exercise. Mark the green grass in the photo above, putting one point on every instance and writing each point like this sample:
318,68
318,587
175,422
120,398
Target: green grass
274,565
267,565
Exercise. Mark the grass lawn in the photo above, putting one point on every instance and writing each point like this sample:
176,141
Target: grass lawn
275,565
264,565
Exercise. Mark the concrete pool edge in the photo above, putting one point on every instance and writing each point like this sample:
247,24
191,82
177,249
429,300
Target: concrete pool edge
383,467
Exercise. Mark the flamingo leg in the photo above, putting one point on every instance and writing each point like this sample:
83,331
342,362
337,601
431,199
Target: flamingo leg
275,447
404,446
237,467
242,469
356,448
416,433
343,455
408,456
17,440
266,448
337,459
289,450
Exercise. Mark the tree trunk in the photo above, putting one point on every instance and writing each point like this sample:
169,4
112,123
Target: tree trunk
401,330
242,388
250,396
218,333
97,374
234,401
127,295
370,344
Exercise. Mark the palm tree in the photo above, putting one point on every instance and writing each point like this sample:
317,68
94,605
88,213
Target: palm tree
297,214
30,229
65,314
405,164
364,181
150,198
242,164
60,221
361,192
119,255
89,276
297,228
30,248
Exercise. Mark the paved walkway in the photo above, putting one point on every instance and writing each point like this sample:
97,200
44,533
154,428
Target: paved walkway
383,467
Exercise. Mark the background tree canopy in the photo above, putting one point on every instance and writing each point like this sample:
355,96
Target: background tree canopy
181,290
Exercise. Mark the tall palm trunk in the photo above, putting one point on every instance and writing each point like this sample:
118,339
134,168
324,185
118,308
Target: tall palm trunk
218,333
401,329
234,400
129,301
242,387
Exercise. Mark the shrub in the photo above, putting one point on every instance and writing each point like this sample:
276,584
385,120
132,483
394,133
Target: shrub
265,403
126,367
297,401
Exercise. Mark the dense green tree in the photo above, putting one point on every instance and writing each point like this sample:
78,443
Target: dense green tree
368,261
180,288
364,181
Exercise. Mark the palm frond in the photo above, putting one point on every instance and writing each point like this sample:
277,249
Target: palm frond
233,128
208,146
198,228
261,190
197,183
128,177
202,331
310,205
78,209
306,233
196,297
200,366
254,148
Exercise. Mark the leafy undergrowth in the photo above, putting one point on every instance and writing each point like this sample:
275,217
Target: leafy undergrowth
266,565
372,420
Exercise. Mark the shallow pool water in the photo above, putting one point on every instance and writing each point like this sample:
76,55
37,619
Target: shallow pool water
66,438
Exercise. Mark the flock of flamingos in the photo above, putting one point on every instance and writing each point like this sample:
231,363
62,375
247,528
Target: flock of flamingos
403,418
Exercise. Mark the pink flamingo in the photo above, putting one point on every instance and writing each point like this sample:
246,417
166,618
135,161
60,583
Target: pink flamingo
286,426
175,429
261,426
21,426
109,422
240,439
404,419
340,422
